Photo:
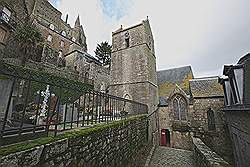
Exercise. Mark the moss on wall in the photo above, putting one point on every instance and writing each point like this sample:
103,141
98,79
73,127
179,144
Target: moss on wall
70,134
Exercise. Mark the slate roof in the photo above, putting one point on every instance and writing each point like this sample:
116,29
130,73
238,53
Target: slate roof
86,55
206,87
163,101
168,79
174,75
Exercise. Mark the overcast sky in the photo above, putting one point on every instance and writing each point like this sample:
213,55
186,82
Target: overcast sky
205,34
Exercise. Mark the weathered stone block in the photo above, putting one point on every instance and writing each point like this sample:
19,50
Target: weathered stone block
55,148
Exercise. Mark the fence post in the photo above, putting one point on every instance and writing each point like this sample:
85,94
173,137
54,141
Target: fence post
8,107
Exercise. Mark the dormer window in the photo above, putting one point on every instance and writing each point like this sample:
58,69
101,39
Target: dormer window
64,33
62,44
60,54
6,13
127,39
52,27
49,39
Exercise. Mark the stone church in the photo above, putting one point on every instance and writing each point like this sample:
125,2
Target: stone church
191,107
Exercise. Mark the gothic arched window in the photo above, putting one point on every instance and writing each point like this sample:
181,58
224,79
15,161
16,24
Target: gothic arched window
86,76
179,108
211,120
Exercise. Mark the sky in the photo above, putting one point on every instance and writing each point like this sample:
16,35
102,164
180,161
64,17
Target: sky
205,34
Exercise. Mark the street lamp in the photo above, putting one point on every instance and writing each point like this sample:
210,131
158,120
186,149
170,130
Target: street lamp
235,81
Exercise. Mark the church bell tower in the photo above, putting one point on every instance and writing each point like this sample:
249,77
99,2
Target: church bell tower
133,65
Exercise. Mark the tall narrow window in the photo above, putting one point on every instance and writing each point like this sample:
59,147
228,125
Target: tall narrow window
86,75
50,38
60,54
52,27
179,108
127,39
211,120
2,35
127,42
62,44
64,33
176,109
183,109
6,14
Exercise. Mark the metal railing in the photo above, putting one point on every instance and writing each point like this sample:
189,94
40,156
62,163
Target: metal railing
34,107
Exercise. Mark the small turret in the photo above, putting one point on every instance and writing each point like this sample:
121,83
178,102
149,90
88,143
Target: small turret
79,34
77,23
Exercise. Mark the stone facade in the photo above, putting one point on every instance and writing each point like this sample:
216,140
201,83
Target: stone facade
133,65
217,139
59,36
133,69
239,128
12,14
110,146
88,67
66,45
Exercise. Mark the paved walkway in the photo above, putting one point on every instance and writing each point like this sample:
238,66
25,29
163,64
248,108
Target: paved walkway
170,157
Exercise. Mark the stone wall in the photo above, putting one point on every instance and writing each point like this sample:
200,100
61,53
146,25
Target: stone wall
218,139
181,140
100,75
205,157
94,70
239,128
107,145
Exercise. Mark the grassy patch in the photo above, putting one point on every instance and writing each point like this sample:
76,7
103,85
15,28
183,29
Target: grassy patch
76,133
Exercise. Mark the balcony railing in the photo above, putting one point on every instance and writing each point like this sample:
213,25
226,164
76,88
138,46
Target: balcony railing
10,21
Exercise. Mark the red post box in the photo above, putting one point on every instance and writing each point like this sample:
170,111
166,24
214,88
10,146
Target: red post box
163,137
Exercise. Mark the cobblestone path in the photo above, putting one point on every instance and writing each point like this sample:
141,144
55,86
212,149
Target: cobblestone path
170,157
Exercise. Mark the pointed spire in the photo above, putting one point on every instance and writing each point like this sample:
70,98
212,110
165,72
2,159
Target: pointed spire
82,31
77,22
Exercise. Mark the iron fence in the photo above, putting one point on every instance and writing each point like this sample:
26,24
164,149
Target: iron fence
31,106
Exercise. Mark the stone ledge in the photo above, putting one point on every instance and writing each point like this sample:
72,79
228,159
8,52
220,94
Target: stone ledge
205,157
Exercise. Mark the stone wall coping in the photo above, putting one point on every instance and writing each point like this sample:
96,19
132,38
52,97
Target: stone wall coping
209,157
83,145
